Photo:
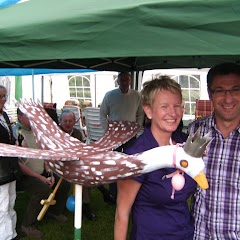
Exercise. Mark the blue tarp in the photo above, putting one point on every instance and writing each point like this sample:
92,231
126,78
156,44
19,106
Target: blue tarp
36,71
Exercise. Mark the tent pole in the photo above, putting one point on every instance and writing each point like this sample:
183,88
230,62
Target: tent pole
42,90
139,80
133,75
137,77
33,87
95,90
18,88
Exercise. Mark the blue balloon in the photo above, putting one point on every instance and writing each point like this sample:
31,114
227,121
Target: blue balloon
71,203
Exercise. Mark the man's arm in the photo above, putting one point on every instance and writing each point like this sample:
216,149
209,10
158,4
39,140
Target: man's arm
27,171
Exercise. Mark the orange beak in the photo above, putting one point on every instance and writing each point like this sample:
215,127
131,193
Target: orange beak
202,180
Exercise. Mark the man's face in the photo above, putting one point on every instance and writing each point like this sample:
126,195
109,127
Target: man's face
226,103
67,122
24,120
124,82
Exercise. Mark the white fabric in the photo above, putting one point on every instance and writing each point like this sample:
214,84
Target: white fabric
36,165
8,216
3,122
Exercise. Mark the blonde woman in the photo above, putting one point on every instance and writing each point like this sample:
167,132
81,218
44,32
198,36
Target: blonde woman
155,215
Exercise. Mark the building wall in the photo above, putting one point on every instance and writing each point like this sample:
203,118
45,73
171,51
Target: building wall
148,75
55,88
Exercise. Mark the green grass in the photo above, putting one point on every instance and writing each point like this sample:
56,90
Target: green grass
101,229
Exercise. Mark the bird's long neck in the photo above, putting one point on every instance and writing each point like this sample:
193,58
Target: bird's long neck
159,157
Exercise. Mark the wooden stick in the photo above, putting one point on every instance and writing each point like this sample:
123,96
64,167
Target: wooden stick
49,201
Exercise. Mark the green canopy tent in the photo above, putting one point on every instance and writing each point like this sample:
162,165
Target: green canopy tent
119,35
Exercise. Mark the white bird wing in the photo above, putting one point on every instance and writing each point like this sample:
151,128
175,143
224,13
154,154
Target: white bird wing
46,132
8,150
50,136
118,133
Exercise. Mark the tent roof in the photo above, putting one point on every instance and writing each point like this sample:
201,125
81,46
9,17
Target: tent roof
119,35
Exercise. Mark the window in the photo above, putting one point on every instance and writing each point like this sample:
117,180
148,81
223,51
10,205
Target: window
79,88
190,85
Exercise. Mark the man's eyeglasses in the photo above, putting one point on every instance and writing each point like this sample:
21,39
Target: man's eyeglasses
3,96
222,92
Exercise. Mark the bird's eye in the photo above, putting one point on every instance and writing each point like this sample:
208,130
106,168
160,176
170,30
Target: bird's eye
184,163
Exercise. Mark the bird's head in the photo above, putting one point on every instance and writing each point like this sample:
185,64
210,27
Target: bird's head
189,158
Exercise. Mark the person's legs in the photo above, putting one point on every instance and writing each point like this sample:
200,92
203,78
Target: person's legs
86,194
39,191
113,189
61,196
86,206
12,212
107,197
7,227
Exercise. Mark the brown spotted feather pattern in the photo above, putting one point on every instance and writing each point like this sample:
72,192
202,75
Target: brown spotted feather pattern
96,163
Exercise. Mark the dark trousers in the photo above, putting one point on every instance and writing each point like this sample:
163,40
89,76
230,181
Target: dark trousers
39,191
113,186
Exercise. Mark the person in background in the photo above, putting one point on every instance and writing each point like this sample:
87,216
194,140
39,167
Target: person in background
66,122
9,173
154,214
121,104
217,210
38,180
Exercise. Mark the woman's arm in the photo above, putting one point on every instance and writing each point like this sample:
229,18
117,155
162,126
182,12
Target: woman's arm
127,191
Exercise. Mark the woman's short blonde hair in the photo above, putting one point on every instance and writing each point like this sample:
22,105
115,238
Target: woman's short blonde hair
162,82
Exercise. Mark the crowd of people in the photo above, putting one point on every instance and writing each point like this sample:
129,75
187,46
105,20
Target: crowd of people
144,200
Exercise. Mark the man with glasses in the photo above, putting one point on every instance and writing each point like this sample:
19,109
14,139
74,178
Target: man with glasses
217,209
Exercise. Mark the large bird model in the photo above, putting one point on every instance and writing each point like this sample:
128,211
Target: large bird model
96,163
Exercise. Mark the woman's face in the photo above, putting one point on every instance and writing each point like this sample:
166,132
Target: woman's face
3,97
166,111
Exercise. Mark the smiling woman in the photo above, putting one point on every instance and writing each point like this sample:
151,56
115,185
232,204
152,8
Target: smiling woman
158,212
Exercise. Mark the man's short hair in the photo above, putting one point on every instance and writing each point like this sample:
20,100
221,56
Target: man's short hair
19,112
221,70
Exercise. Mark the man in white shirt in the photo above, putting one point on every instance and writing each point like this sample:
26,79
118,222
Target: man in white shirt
121,104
